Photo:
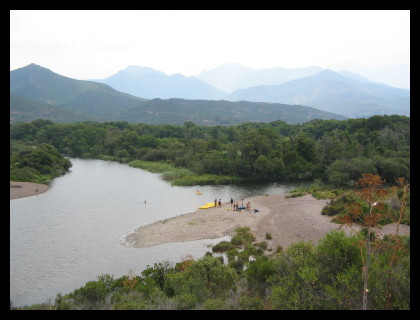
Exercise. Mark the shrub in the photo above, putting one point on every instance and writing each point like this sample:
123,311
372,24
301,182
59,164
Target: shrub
296,194
237,264
336,252
262,245
25,174
223,246
94,292
251,303
215,304
237,240
186,301
258,273
62,302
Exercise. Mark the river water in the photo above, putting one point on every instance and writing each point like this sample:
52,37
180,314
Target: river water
75,231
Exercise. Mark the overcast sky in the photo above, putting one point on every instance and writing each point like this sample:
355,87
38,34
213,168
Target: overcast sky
96,44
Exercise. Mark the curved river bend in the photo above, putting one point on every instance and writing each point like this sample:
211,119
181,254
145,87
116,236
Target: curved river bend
75,231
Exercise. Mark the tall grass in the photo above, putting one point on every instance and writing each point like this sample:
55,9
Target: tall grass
182,176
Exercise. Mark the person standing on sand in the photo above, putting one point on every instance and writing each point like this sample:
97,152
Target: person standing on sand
231,201
220,202
215,202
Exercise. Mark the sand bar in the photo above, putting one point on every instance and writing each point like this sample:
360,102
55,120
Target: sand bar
26,189
288,220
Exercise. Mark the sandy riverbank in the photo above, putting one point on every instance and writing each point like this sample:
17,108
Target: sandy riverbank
26,189
288,220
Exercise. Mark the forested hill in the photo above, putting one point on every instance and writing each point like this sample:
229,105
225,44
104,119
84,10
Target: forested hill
99,102
210,112
26,110
87,98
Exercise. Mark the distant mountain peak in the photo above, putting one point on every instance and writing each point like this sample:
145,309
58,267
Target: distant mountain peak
329,73
33,66
140,70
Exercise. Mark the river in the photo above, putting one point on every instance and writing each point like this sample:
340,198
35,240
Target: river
75,231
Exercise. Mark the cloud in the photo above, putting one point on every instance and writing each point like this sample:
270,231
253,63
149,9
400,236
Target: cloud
192,40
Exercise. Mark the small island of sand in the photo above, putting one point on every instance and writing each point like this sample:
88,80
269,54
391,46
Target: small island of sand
26,189
288,220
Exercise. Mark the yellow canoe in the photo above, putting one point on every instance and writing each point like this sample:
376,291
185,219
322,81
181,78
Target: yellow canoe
207,205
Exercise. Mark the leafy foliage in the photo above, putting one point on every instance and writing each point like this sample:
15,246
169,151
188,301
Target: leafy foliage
333,151
36,164
302,277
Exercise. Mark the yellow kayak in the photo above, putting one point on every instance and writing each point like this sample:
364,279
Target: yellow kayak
207,205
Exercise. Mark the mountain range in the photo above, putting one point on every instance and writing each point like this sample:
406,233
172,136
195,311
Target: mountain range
149,83
332,92
36,92
342,92
233,76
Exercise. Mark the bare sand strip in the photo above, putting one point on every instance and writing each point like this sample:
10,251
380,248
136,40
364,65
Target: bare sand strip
288,220
26,189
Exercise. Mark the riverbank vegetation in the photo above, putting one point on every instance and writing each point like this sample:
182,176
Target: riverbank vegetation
335,151
40,163
252,276
360,270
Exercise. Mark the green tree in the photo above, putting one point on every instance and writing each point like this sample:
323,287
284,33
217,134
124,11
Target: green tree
205,278
295,284
305,147
258,273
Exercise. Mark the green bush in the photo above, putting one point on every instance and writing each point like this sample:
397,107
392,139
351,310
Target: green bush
238,264
93,292
215,304
223,246
262,245
258,273
331,210
237,240
186,301
25,174
251,303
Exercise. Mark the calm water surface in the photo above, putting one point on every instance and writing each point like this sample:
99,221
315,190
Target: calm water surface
75,231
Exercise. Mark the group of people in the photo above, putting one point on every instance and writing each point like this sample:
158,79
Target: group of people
234,204
217,202
236,207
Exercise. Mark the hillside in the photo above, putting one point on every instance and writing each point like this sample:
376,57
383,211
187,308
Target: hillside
149,83
86,97
25,110
210,112
329,91
102,103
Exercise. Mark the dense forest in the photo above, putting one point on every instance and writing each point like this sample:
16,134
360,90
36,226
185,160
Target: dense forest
334,151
